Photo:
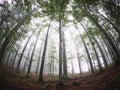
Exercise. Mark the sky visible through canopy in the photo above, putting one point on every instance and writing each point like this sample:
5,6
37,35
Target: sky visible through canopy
70,44
70,47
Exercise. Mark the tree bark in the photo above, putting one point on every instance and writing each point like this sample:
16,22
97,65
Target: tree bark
64,58
38,63
31,59
40,79
89,58
103,56
15,57
78,57
23,51
97,57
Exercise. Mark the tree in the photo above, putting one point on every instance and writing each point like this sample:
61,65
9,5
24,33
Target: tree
31,59
20,59
96,54
89,58
40,79
103,56
16,53
38,62
78,55
64,59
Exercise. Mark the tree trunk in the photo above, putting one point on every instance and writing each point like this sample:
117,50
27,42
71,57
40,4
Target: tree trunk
97,57
15,57
106,51
38,63
7,59
40,79
89,58
24,66
111,52
10,59
31,59
72,67
60,51
53,67
64,58
78,57
19,61
103,56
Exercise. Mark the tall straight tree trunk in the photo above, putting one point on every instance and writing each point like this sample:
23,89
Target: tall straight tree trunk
107,57
64,58
72,67
89,58
11,59
60,50
53,67
31,59
50,67
103,56
78,57
24,66
27,59
114,41
4,58
104,46
111,52
38,62
23,51
60,41
15,57
7,59
40,79
97,57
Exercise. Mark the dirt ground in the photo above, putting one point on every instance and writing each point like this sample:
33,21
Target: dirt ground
105,80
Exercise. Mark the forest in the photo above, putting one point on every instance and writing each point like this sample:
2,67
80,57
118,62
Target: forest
59,44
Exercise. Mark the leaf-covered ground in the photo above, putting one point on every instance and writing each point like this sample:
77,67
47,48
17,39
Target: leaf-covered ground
106,80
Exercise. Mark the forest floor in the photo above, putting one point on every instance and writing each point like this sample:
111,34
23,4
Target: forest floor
105,80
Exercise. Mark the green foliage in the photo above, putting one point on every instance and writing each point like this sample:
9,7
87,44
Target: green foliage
11,14
77,14
112,10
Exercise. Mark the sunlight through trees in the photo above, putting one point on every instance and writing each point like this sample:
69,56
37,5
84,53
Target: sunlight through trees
59,38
